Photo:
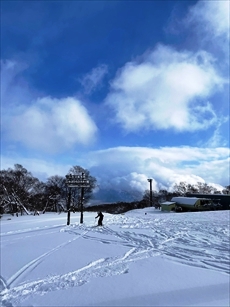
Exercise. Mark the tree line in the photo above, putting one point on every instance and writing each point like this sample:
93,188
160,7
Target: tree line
21,192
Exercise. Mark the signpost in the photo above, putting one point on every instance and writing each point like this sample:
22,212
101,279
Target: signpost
76,181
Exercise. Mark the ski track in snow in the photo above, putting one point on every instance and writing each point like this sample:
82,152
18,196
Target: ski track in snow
192,244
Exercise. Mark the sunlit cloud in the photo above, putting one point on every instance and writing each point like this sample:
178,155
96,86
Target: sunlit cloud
46,124
53,125
166,89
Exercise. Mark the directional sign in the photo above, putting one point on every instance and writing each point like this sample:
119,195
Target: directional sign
77,181
78,185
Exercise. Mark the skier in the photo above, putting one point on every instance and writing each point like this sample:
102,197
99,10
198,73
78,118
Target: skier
36,212
100,215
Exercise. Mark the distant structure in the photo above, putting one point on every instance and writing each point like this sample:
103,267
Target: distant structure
203,202
193,203
223,199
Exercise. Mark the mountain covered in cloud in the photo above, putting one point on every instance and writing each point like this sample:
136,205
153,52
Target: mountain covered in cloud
127,90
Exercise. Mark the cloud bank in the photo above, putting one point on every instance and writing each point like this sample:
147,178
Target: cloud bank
128,168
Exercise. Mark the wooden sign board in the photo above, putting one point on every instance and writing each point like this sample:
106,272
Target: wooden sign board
78,185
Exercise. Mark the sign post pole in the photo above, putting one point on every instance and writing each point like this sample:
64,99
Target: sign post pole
76,181
82,198
68,206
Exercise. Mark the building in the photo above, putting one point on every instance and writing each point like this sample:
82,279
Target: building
193,203
168,206
222,199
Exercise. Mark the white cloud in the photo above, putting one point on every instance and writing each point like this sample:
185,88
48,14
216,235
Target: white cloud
46,124
166,89
217,137
208,23
211,17
53,125
94,78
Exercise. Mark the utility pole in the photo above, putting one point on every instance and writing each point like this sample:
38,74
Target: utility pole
151,192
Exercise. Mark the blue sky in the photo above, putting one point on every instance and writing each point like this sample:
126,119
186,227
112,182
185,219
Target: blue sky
127,89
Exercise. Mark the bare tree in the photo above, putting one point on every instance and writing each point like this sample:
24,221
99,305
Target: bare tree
16,188
226,190
55,192
181,188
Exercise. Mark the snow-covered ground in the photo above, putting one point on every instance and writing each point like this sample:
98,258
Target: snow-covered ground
141,258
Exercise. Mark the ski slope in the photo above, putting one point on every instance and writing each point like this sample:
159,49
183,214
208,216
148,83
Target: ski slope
142,258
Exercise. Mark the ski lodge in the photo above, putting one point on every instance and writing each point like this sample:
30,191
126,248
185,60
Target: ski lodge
187,204
168,206
222,199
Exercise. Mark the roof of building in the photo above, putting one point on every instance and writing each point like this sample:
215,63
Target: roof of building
168,203
185,200
199,195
